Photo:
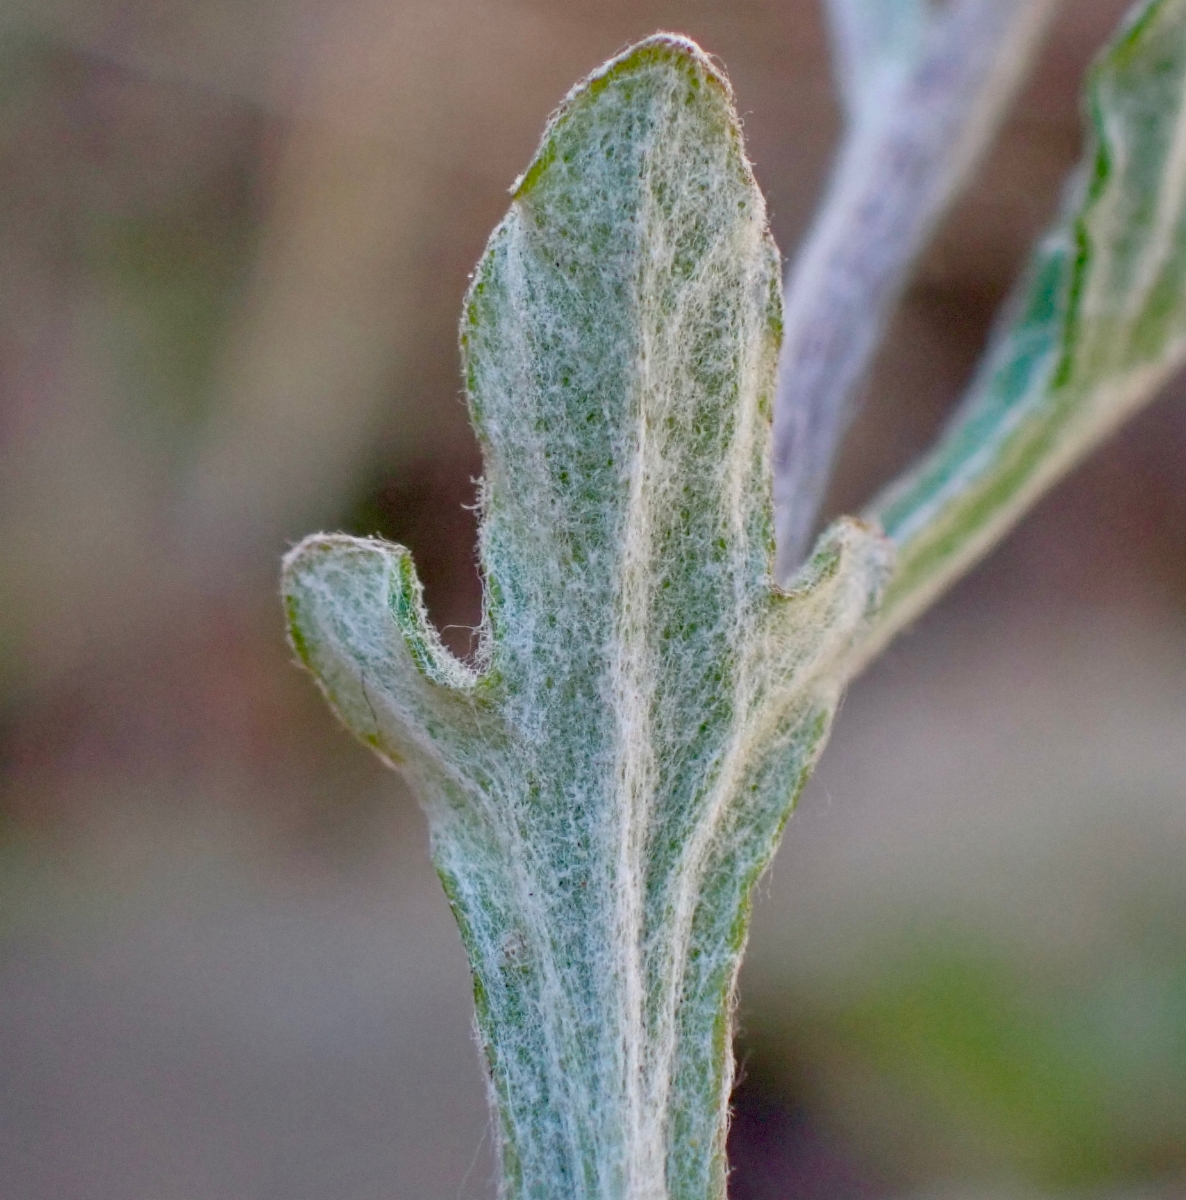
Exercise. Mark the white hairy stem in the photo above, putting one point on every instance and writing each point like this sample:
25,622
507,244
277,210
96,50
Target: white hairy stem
925,90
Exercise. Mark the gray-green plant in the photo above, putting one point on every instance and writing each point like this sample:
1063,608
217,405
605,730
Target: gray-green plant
609,775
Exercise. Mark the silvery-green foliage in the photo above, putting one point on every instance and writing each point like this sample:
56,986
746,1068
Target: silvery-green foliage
1098,323
607,778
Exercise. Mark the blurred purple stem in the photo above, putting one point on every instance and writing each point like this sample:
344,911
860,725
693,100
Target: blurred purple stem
918,123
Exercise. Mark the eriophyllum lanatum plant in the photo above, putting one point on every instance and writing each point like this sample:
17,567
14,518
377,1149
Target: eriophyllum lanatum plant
611,773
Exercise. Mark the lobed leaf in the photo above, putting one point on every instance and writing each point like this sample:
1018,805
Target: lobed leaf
609,778
606,784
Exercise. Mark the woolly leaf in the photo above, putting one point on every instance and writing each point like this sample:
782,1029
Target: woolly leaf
1098,324
607,782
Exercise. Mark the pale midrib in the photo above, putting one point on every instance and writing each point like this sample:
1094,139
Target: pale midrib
680,910
648,1054
661,1042
527,877
633,677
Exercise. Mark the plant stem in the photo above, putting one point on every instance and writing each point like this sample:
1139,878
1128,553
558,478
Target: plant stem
917,127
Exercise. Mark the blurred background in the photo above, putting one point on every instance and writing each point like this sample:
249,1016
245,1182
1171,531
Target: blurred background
234,239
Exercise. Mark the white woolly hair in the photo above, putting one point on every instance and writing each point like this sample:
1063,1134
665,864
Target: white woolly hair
607,781
608,778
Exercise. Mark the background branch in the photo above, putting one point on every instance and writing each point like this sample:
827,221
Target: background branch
924,89
1096,326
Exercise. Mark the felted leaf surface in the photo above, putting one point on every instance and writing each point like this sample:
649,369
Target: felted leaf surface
609,778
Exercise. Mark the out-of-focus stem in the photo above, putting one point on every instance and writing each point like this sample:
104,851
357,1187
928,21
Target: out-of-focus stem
916,129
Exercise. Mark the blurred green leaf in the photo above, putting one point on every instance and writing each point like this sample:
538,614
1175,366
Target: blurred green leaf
1098,325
